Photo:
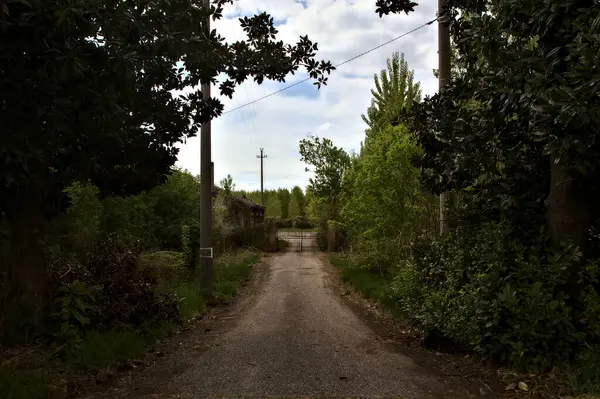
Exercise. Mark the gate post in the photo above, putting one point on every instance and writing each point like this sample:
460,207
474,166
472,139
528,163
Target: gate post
272,235
331,237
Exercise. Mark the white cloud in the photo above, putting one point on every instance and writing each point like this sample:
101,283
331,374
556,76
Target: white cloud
343,29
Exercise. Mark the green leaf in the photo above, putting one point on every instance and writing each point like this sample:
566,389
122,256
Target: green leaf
79,303
81,319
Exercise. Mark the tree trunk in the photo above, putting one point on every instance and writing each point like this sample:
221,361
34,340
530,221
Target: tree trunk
569,216
24,304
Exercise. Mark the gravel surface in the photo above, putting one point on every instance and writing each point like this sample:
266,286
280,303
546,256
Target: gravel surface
295,338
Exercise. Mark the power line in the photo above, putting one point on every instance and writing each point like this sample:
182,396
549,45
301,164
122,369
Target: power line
336,66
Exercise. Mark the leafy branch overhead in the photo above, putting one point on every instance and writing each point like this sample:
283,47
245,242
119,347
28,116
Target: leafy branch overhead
525,99
104,91
385,7
102,75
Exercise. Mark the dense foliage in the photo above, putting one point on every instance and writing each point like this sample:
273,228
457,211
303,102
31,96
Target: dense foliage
513,138
374,196
95,91
380,221
329,163
280,204
121,276
121,262
395,91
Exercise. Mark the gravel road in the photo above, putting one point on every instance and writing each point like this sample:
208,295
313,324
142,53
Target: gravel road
296,339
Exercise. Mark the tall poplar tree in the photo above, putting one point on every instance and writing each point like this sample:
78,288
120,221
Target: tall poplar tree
395,90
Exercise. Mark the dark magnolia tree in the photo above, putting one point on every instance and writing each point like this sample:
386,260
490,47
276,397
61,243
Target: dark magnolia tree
86,92
519,129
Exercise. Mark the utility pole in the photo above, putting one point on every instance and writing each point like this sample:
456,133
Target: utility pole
444,80
206,252
261,156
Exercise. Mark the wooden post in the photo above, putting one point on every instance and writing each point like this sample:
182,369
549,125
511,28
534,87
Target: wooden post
206,187
444,80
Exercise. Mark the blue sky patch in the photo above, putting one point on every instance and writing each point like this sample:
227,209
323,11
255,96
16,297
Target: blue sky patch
279,22
305,90
303,2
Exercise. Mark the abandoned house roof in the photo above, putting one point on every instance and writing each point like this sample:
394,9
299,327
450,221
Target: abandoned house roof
250,203
242,200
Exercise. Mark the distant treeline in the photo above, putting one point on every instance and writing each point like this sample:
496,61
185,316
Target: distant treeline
281,203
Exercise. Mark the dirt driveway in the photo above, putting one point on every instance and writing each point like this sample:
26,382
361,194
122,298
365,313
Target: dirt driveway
292,336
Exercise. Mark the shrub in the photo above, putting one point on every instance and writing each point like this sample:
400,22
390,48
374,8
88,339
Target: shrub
164,267
128,296
301,222
80,226
380,255
75,303
483,288
322,238
134,220
189,244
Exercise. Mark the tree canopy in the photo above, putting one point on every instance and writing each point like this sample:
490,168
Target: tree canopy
394,91
87,88
227,184
521,123
103,91
330,163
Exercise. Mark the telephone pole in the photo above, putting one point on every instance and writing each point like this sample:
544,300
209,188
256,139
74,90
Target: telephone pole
443,80
206,188
261,156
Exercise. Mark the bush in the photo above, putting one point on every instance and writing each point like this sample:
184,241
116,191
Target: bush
322,238
190,244
483,288
134,220
164,267
127,297
301,222
79,227
380,256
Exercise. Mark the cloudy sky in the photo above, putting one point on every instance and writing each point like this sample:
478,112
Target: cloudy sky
343,29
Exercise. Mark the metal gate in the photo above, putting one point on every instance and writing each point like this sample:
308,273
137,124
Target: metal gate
297,240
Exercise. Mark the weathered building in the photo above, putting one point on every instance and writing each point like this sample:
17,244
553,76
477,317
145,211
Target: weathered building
241,212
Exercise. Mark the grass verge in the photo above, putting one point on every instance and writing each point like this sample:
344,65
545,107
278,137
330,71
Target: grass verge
581,378
17,384
41,376
371,286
